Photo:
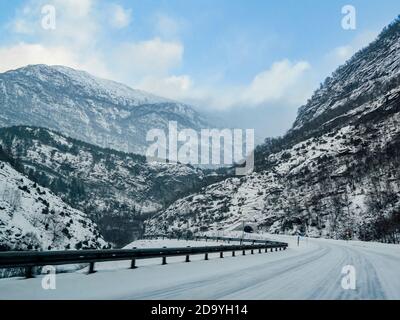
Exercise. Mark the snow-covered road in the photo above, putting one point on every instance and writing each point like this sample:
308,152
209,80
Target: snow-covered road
311,271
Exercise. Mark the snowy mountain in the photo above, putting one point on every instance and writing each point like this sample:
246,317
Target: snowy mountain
117,190
335,174
33,218
97,111
369,74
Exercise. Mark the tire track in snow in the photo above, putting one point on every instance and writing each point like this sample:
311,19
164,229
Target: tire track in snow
220,287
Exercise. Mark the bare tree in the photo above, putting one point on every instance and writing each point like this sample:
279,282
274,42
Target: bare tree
54,225
12,197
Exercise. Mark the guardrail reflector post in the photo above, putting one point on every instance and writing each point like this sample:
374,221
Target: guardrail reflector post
164,259
133,261
188,257
91,268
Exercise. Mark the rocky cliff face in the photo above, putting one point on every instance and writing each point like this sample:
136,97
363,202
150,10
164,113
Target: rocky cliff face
335,174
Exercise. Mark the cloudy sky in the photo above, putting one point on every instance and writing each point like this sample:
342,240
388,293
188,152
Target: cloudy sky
249,63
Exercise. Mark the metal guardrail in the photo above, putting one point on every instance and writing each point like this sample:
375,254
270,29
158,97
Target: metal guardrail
31,259
212,238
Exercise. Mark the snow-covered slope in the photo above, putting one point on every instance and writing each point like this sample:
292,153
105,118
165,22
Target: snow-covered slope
117,190
335,174
33,218
101,112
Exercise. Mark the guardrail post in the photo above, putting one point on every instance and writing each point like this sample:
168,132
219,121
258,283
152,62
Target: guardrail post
221,254
276,249
233,254
188,257
133,264
252,251
259,250
244,252
164,259
91,268
29,272
206,256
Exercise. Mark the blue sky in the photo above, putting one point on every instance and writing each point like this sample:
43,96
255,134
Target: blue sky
250,63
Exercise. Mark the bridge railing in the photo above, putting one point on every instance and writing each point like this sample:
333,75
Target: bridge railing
30,259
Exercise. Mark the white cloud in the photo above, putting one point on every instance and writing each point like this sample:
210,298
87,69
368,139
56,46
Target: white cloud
120,17
23,54
285,83
167,27
341,54
76,22
174,87
148,58
81,41
277,83
76,8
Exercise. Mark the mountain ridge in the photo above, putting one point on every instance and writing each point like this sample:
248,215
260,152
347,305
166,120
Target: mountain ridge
98,111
